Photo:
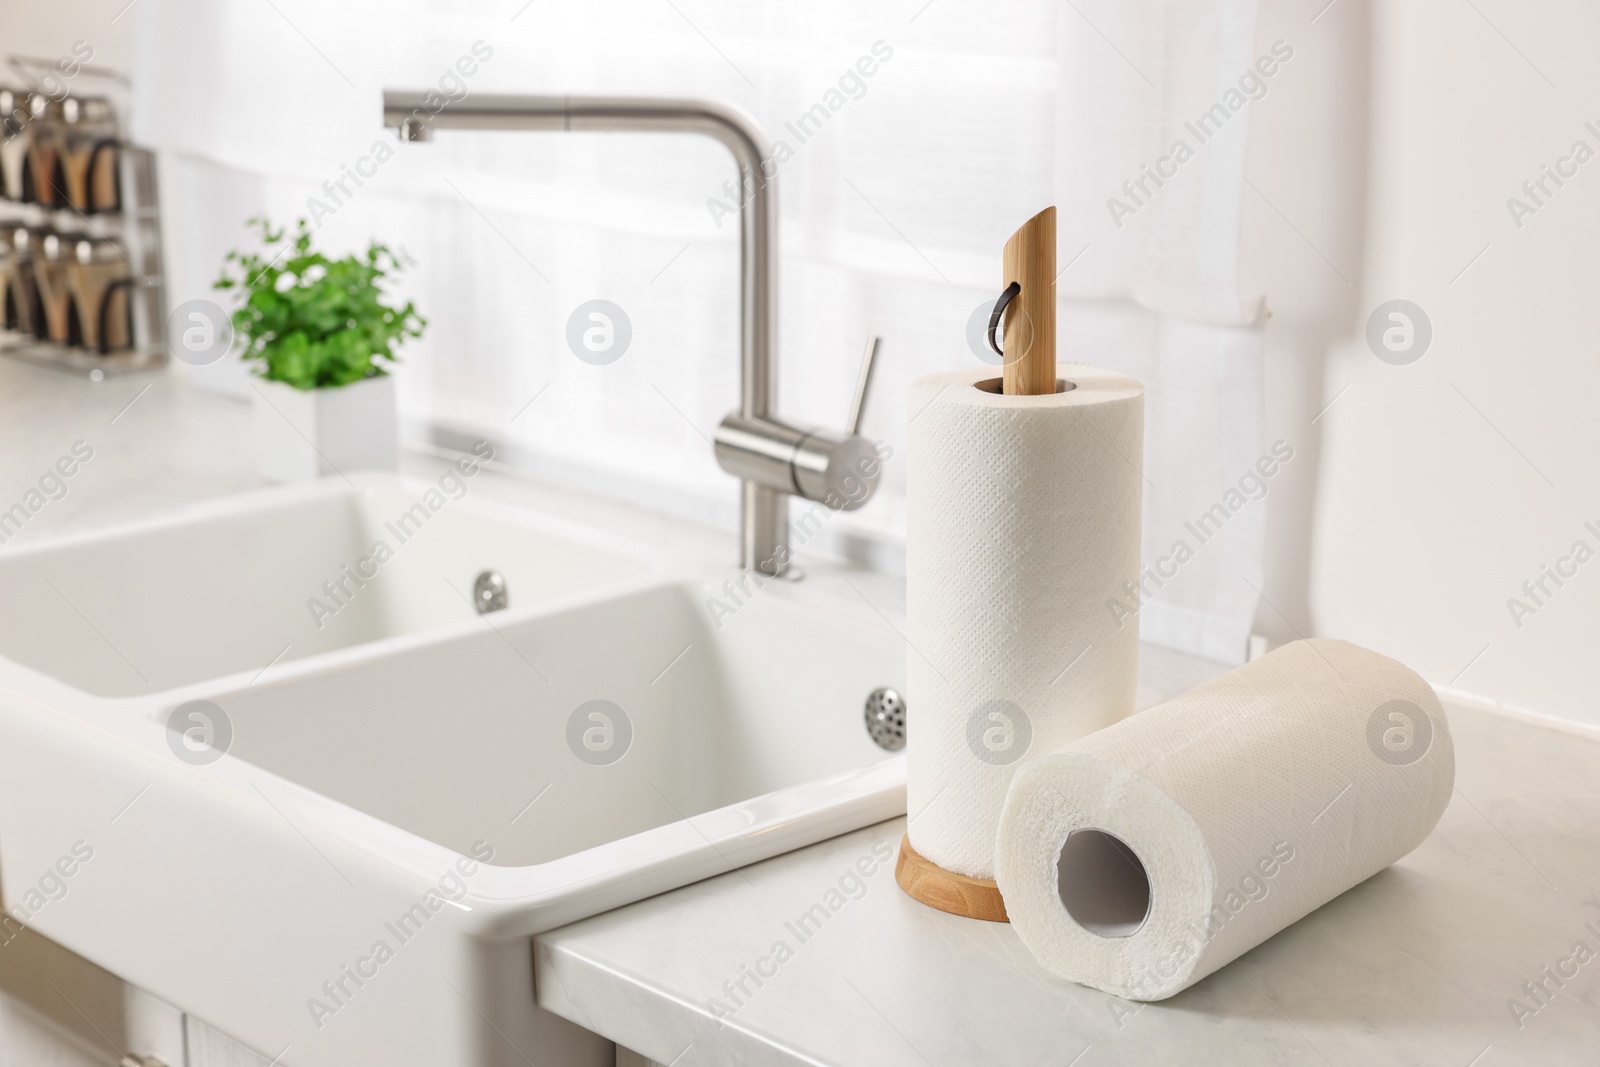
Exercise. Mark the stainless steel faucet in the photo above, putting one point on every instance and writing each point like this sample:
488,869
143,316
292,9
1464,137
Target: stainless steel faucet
772,459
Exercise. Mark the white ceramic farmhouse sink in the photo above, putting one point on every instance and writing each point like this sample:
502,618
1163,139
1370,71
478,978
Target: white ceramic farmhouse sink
409,790
567,729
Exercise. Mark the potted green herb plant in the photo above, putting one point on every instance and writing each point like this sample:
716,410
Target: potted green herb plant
323,337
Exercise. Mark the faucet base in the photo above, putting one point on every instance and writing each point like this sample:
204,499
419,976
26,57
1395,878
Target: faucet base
763,530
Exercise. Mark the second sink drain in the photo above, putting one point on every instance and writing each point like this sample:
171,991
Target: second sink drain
489,593
885,716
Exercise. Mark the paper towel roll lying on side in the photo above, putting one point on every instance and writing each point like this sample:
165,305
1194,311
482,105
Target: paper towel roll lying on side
1143,858
1022,523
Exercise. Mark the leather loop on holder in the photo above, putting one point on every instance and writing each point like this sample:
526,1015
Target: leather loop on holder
999,312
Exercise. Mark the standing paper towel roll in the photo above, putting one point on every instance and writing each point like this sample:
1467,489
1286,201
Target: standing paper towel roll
1143,858
1022,523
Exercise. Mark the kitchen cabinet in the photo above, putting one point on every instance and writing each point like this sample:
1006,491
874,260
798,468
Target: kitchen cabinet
59,1010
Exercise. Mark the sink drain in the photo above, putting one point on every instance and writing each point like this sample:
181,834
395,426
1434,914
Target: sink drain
489,593
885,716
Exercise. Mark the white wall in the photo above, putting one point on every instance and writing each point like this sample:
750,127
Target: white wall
48,30
1430,492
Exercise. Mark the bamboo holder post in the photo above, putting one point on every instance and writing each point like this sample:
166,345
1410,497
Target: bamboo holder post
1030,320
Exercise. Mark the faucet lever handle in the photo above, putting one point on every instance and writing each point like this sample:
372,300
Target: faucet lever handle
863,383
832,468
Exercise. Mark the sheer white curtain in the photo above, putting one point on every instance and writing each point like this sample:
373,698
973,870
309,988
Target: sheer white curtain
945,126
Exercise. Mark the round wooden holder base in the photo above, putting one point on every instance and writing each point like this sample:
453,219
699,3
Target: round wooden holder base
926,881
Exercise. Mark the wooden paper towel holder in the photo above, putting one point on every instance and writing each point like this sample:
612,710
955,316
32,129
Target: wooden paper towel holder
927,882
1028,307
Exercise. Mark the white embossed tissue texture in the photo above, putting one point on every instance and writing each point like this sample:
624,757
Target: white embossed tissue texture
1235,809
1022,523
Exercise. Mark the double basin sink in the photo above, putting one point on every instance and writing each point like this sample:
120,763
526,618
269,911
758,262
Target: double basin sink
327,802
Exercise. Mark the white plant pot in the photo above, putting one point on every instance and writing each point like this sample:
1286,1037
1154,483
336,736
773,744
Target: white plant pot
304,434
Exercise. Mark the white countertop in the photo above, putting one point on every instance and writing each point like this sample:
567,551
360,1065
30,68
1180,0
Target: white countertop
160,444
1419,965
1414,966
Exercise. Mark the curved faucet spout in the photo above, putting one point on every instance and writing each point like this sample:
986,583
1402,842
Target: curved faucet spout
767,477
736,131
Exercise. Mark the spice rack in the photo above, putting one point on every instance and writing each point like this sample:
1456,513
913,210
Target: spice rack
81,267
